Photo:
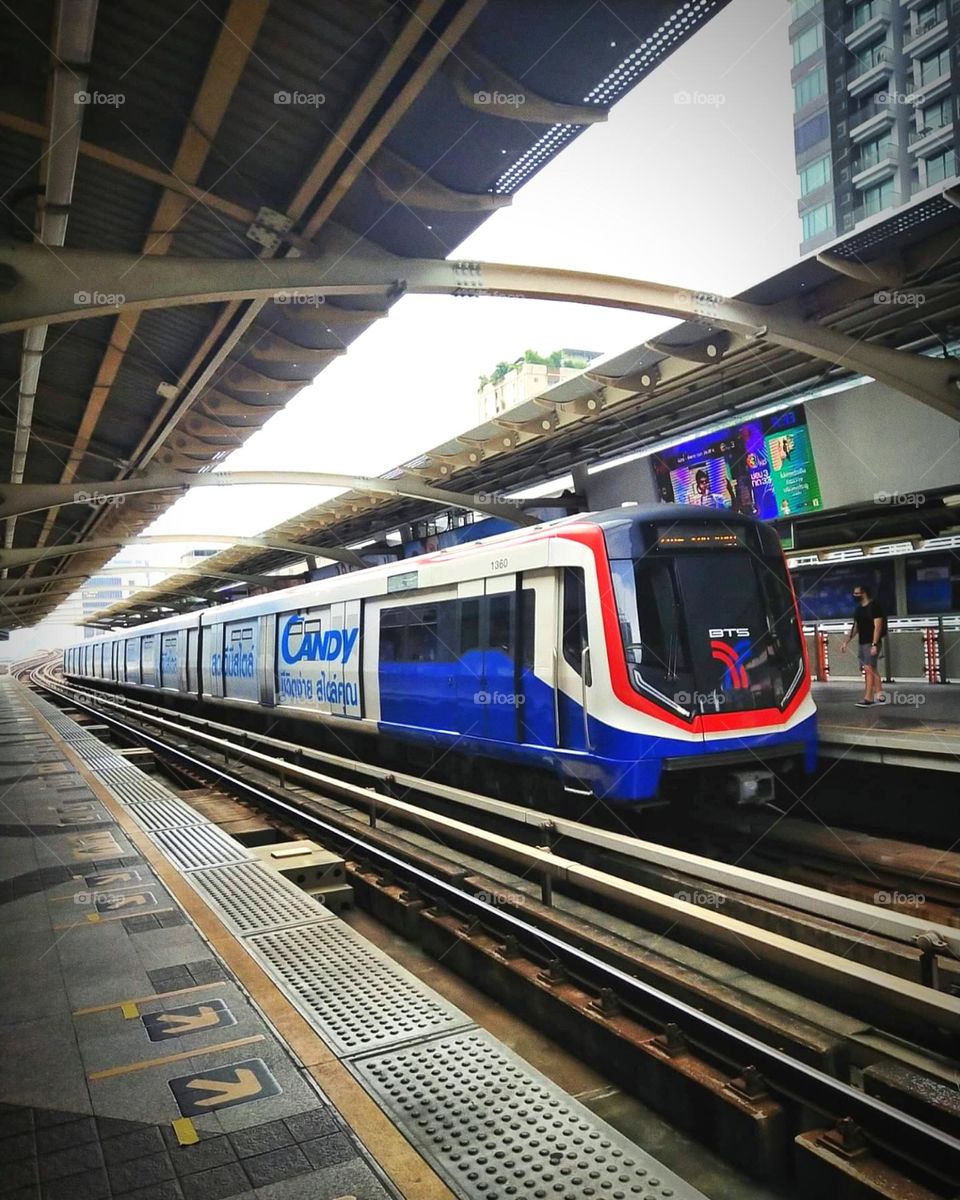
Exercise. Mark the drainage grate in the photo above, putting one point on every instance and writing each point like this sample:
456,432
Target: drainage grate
355,997
130,785
194,846
255,899
168,813
494,1127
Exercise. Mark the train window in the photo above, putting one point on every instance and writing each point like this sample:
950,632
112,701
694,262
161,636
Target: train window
574,617
661,648
469,625
419,633
501,624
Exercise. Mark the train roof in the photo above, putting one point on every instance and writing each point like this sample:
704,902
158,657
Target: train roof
607,520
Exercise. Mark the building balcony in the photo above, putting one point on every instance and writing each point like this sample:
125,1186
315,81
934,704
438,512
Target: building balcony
926,34
871,71
922,141
866,212
871,119
870,169
923,93
869,29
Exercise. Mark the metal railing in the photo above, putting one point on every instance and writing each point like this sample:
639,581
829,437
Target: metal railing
917,135
872,108
923,649
880,56
872,156
925,24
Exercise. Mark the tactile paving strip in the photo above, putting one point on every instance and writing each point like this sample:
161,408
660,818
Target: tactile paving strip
168,813
494,1127
194,846
356,997
254,899
130,785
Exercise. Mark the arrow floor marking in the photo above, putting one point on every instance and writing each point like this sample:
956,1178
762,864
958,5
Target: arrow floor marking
246,1084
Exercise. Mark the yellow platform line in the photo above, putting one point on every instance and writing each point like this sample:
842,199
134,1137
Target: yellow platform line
98,1008
102,918
170,1058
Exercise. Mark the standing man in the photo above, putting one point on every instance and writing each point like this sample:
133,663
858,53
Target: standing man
868,624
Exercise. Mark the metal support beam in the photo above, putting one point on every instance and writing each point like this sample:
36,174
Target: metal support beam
17,499
21,557
44,295
13,587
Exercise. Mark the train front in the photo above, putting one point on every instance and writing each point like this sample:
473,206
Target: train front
712,643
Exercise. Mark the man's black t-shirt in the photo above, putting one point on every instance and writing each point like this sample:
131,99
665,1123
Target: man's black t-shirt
864,615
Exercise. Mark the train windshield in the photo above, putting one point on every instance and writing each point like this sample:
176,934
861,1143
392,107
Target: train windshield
709,630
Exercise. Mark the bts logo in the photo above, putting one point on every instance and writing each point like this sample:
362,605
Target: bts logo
731,656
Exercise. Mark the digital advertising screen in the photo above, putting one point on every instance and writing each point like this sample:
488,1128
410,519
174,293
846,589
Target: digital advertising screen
763,467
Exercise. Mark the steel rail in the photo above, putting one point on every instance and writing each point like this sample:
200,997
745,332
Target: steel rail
888,1127
867,918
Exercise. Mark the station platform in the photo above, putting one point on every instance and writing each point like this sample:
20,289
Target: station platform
182,1023
919,726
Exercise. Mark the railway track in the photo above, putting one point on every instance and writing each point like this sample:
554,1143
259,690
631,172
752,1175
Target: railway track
629,947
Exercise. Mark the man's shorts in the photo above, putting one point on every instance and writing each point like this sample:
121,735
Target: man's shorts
867,659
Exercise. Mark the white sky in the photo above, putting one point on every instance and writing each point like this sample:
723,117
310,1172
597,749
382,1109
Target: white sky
701,194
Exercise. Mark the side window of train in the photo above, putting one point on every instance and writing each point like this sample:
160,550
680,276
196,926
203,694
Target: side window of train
574,616
501,623
419,633
469,625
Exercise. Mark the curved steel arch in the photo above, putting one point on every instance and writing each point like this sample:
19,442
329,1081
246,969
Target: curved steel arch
25,555
32,293
19,498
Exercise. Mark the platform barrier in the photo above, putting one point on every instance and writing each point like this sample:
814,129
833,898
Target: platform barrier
916,650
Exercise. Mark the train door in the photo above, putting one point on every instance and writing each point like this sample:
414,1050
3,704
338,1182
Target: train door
329,681
573,661
266,647
538,667
468,679
501,695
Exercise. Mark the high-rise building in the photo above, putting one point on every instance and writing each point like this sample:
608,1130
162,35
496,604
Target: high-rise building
875,108
117,582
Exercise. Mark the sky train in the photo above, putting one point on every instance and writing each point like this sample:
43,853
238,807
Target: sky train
603,650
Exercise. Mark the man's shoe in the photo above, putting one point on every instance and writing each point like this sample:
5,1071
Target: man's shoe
864,704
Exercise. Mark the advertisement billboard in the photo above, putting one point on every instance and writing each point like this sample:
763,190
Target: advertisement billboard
763,467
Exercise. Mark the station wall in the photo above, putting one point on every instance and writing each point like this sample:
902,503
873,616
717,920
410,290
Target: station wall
867,442
873,440
631,481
